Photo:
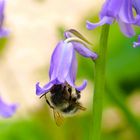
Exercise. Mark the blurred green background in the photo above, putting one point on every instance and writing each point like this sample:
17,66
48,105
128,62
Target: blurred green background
27,64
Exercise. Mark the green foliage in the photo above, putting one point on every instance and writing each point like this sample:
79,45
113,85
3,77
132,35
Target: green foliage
22,130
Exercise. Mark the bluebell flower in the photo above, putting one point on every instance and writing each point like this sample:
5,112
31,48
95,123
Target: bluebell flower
3,31
63,65
122,12
7,110
137,44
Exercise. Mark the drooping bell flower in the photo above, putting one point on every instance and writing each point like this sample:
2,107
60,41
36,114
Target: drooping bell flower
137,44
7,110
122,12
3,31
63,65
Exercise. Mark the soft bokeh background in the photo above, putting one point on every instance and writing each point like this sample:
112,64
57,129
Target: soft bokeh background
36,26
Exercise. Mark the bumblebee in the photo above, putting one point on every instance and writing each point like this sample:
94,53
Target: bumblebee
63,100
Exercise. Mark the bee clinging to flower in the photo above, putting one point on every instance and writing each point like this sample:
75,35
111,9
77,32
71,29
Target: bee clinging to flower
63,101
64,94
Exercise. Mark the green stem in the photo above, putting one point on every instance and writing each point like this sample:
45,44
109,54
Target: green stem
99,87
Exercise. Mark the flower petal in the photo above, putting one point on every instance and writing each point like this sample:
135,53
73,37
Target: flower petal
71,81
126,12
4,32
136,4
7,110
55,60
73,68
72,74
137,20
111,8
82,87
126,28
104,20
2,4
43,90
84,51
79,88
65,61
61,61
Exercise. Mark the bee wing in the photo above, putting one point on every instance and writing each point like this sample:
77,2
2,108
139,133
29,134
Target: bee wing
58,117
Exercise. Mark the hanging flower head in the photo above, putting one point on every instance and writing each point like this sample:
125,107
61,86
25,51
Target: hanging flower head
7,110
63,65
122,12
3,31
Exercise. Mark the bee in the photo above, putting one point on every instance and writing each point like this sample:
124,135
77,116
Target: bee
63,101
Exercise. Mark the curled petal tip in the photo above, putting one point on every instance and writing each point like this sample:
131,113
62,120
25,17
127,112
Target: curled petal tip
89,25
4,32
38,89
95,56
12,109
45,89
104,20
7,110
83,86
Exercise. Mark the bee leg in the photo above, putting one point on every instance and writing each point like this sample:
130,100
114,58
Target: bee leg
79,106
48,102
44,94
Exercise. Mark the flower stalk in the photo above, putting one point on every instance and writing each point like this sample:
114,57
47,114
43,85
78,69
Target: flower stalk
99,89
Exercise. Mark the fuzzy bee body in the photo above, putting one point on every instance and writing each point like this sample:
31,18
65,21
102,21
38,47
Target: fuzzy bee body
64,101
